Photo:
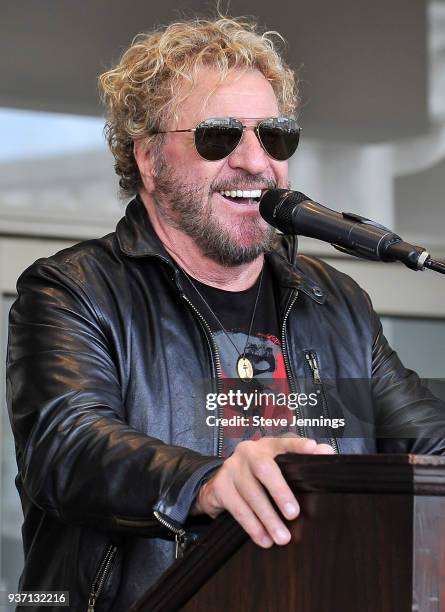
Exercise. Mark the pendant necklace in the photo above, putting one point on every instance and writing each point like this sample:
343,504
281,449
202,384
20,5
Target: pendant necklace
244,367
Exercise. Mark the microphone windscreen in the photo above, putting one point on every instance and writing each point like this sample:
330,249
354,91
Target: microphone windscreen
276,206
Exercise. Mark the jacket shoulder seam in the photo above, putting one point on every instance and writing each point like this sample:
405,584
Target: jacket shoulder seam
72,278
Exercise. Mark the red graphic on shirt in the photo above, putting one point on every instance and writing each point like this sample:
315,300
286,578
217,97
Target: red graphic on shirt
264,397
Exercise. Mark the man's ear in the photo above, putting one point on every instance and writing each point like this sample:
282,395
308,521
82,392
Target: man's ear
143,154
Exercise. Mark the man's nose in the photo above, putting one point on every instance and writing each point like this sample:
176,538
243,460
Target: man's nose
249,155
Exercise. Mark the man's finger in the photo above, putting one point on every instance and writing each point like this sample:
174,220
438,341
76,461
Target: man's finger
256,498
279,446
268,473
324,449
243,514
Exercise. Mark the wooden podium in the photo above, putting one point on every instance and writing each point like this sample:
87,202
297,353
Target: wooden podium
370,538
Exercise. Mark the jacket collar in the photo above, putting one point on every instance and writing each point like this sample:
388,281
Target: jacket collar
137,238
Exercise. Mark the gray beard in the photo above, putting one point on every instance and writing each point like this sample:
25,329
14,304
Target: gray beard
187,213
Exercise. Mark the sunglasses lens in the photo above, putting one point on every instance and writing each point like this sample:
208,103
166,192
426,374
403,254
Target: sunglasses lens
216,138
279,136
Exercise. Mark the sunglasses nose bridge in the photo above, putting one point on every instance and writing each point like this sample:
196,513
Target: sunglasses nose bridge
250,128
249,152
255,129
254,138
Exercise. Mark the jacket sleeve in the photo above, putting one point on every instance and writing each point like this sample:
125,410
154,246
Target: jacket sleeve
77,457
409,418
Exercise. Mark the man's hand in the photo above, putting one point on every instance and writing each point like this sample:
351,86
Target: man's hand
240,485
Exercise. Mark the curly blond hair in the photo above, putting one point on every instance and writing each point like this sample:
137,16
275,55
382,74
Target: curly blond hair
145,89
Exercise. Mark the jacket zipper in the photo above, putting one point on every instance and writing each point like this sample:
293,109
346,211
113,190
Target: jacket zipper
284,346
179,532
312,361
216,360
101,576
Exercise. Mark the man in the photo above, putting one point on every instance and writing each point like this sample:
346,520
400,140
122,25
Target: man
116,344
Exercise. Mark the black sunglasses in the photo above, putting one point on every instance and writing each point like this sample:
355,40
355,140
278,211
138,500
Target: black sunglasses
218,137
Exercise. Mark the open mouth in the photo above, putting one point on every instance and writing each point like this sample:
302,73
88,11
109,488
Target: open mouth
242,196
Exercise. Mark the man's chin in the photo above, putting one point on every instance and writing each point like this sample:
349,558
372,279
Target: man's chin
228,251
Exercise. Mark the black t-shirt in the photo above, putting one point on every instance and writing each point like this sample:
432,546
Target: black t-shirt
263,348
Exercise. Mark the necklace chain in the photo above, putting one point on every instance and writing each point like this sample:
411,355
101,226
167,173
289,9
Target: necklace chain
240,355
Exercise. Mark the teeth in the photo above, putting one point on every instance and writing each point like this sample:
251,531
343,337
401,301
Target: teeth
239,193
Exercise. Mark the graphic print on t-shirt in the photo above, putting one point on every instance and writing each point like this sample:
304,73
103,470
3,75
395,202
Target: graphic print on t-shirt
263,351
265,354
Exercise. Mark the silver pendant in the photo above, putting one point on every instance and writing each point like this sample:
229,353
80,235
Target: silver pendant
244,368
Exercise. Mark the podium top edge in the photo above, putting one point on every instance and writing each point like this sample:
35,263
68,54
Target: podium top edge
363,459
402,474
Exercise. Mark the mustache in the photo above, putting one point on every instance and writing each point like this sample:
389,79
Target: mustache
243,182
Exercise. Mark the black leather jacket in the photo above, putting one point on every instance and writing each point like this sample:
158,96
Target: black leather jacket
107,366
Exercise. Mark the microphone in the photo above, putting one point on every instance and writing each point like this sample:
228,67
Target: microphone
292,212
